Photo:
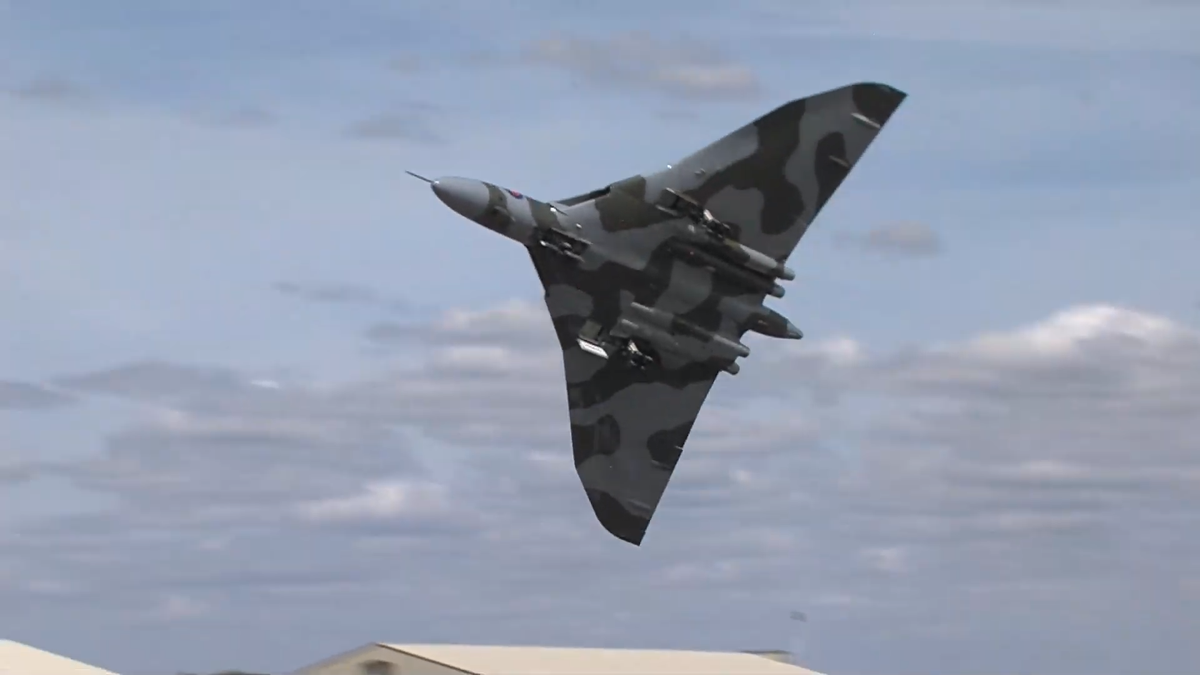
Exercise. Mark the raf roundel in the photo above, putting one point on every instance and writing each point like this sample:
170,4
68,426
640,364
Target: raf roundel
516,194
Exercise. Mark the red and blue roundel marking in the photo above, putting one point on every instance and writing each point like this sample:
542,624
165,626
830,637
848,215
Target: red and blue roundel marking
516,194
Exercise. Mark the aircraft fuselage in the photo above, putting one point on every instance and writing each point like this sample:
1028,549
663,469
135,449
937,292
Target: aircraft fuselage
687,273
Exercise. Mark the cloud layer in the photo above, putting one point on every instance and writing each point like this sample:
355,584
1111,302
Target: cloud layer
898,239
23,395
981,461
680,67
1025,468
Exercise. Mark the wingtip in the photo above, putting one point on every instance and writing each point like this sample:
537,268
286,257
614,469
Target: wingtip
636,541
885,87
616,518
877,101
630,535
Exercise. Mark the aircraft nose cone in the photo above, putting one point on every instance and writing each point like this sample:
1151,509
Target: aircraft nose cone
466,197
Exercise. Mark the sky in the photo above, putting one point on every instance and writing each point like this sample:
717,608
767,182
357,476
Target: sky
264,399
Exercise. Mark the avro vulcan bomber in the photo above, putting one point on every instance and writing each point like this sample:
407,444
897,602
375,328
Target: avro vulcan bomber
652,281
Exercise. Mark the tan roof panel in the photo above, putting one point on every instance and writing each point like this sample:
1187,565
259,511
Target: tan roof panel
488,660
19,659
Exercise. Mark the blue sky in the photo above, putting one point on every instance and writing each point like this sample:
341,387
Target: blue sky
980,458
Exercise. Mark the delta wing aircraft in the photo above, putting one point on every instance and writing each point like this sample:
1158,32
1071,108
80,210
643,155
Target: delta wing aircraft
652,281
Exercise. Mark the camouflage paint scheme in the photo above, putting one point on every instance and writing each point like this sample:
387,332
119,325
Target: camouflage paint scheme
650,303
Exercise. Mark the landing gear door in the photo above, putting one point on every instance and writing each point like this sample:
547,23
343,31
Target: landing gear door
589,340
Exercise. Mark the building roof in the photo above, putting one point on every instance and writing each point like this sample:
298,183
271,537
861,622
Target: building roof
19,659
781,655
487,660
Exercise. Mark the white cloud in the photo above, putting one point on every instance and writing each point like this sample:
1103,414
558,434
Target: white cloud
941,473
346,294
24,395
1071,330
515,316
404,125
902,239
685,68
175,607
52,90
379,500
889,559
1116,25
